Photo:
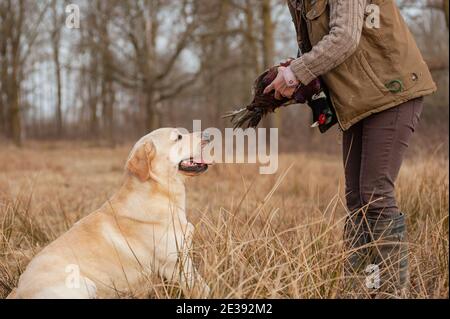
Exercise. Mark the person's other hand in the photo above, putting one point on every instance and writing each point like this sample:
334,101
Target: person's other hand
280,85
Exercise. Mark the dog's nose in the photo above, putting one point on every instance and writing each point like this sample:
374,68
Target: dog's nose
206,136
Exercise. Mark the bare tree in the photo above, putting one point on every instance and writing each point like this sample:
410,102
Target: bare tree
149,71
268,50
20,20
57,24
3,66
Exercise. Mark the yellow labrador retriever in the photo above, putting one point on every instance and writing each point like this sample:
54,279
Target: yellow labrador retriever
141,229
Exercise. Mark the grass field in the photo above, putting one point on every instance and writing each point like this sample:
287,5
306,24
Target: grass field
257,236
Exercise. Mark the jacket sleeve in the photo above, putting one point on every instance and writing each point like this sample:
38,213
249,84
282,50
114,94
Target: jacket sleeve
346,23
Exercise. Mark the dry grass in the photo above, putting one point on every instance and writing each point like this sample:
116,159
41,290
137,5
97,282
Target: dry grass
257,236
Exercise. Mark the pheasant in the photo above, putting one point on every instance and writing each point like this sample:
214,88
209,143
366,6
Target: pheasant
314,94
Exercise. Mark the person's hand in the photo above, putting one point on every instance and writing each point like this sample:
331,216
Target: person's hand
280,84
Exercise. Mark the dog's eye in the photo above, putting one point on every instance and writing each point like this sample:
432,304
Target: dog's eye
179,137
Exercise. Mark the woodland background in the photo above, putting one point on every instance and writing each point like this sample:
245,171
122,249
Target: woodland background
136,65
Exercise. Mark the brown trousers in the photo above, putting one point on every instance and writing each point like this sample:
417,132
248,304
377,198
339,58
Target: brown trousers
373,151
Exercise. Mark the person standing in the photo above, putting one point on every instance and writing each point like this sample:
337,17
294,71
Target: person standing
377,78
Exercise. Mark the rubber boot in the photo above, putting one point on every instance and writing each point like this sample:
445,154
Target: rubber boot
377,255
389,252
356,241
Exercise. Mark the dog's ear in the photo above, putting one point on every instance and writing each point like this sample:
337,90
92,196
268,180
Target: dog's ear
139,162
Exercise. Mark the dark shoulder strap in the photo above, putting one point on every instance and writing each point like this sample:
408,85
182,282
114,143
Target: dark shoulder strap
297,10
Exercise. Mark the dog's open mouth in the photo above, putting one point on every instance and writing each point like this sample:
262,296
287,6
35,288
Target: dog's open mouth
191,166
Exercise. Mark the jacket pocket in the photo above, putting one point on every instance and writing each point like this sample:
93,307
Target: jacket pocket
367,68
355,89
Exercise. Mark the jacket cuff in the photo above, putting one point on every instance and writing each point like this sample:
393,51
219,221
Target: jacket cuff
302,72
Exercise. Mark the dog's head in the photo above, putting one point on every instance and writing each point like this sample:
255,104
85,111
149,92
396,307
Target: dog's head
168,151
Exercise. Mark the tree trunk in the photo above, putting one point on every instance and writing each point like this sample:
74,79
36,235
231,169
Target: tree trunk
2,114
107,93
93,122
92,100
251,38
2,105
446,6
58,107
15,85
2,66
267,39
56,36
108,99
151,32
3,75
151,116
272,120
221,49
15,114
